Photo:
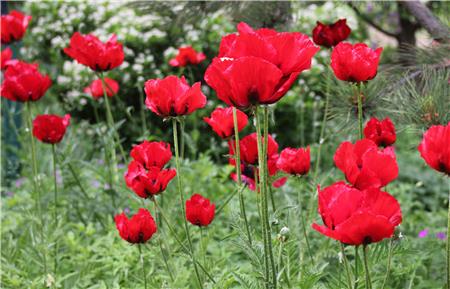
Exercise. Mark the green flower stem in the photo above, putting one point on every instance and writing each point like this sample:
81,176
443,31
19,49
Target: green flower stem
303,225
83,191
366,268
388,266
182,139
174,233
112,147
265,148
36,188
163,253
144,272
203,247
105,87
360,110
268,190
237,153
264,208
55,213
186,228
355,285
448,238
142,111
228,199
324,120
347,270
262,164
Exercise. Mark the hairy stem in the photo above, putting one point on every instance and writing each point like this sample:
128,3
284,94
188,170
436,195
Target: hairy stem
448,238
262,188
388,266
237,153
142,110
268,191
366,268
355,286
360,110
36,188
144,272
55,200
186,228
324,121
174,233
111,143
347,269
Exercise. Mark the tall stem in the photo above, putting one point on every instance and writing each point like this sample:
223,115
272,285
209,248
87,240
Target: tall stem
106,87
174,233
448,238
262,165
262,188
268,191
388,266
347,270
237,153
186,228
112,147
55,213
324,121
356,268
360,110
36,188
366,268
142,105
144,272
303,225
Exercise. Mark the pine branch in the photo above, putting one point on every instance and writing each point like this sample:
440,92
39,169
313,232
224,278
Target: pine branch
369,21
427,20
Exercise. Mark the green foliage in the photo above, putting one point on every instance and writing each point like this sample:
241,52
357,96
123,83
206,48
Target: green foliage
91,253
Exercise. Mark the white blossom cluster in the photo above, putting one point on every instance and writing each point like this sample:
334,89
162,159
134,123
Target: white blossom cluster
53,24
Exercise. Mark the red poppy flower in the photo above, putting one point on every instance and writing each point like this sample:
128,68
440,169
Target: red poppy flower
200,211
258,67
249,160
172,96
290,51
356,217
249,149
366,166
294,161
187,55
435,148
355,63
90,51
13,26
23,82
331,35
152,154
6,57
381,132
50,128
139,229
222,123
147,183
95,89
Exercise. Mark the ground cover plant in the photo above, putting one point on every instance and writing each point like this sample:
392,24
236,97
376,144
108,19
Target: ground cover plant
224,145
